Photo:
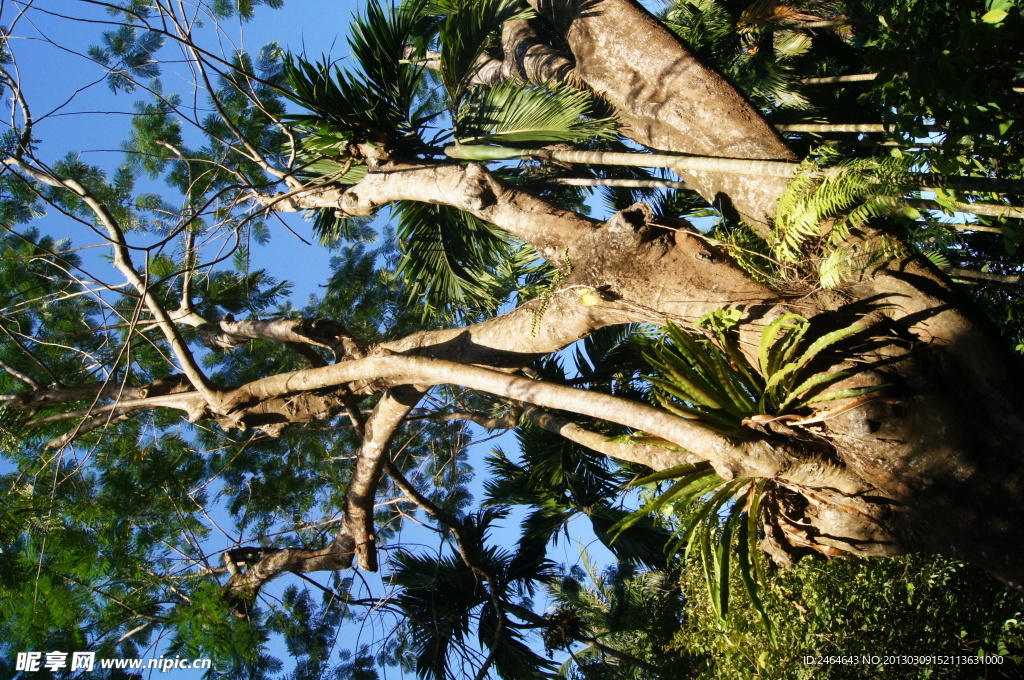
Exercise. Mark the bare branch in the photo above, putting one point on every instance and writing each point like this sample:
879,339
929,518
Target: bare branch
505,422
381,427
655,457
332,335
23,377
86,426
467,187
54,381
243,586
733,455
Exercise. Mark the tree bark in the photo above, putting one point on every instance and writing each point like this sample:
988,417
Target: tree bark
667,99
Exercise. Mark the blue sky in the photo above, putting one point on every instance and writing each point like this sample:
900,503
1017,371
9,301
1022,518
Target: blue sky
75,111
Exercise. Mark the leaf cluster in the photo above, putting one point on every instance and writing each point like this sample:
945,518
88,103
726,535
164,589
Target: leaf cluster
708,378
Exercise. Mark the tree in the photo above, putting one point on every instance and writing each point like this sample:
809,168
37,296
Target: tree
139,394
849,607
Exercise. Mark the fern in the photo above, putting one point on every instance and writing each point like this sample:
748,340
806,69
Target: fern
831,198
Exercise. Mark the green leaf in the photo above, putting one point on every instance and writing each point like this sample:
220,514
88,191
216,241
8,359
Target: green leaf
723,553
825,341
846,394
813,381
691,482
769,336
994,16
912,213
510,113
672,473
748,550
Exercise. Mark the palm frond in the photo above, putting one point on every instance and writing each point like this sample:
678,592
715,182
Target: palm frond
467,29
510,113
375,102
455,264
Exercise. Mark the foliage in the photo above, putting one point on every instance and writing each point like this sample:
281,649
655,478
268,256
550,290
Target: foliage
833,198
626,621
509,113
910,605
440,596
708,378
113,542
711,380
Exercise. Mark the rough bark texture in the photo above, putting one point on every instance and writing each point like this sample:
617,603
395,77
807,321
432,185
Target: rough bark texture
935,461
668,100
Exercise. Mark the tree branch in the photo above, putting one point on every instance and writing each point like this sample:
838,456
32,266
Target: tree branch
731,455
23,377
380,428
467,187
655,457
665,98
242,587
122,260
228,333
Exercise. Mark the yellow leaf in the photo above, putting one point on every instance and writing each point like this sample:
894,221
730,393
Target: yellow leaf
994,16
589,297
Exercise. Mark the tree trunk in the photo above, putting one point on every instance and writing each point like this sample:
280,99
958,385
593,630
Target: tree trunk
666,99
942,448
933,462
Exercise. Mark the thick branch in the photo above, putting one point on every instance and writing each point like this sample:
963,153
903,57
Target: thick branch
229,333
665,98
241,589
731,455
524,57
466,187
381,428
655,457
569,241
529,59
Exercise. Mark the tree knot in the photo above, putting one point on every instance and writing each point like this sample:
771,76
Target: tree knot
636,219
